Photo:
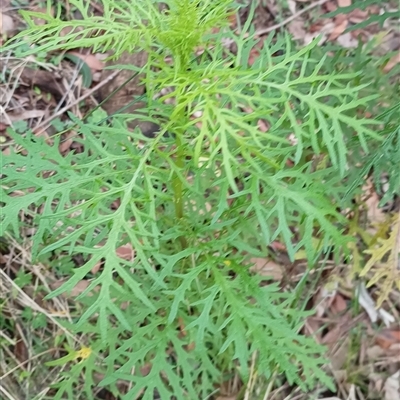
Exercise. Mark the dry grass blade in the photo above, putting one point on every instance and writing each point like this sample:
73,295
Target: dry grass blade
269,29
24,348
88,93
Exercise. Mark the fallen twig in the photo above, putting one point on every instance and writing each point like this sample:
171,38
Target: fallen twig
263,31
45,124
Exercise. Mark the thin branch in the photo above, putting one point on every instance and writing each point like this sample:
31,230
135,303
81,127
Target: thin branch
45,124
263,31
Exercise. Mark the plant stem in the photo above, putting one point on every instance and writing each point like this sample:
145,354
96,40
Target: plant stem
179,162
177,184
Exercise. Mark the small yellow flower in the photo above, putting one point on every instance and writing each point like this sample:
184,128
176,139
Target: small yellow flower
83,353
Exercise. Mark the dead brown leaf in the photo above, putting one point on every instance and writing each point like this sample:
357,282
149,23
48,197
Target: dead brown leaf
375,381
339,356
324,299
394,351
80,288
374,213
26,114
5,4
68,29
347,41
4,258
46,81
126,252
330,6
392,387
375,352
42,10
115,204
339,304
296,28
96,268
267,268
262,125
340,18
253,56
20,351
312,327
40,132
67,142
332,337
6,24
357,16
392,62
344,3
320,29
90,59
358,34
340,27
373,9
124,87
278,246
76,291
292,6
388,337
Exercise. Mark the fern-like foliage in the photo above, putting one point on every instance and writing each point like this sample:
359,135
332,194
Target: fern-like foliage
384,262
195,204
127,26
386,163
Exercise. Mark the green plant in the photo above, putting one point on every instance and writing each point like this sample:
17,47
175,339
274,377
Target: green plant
196,203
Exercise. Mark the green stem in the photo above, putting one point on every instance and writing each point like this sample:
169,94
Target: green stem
180,164
177,184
